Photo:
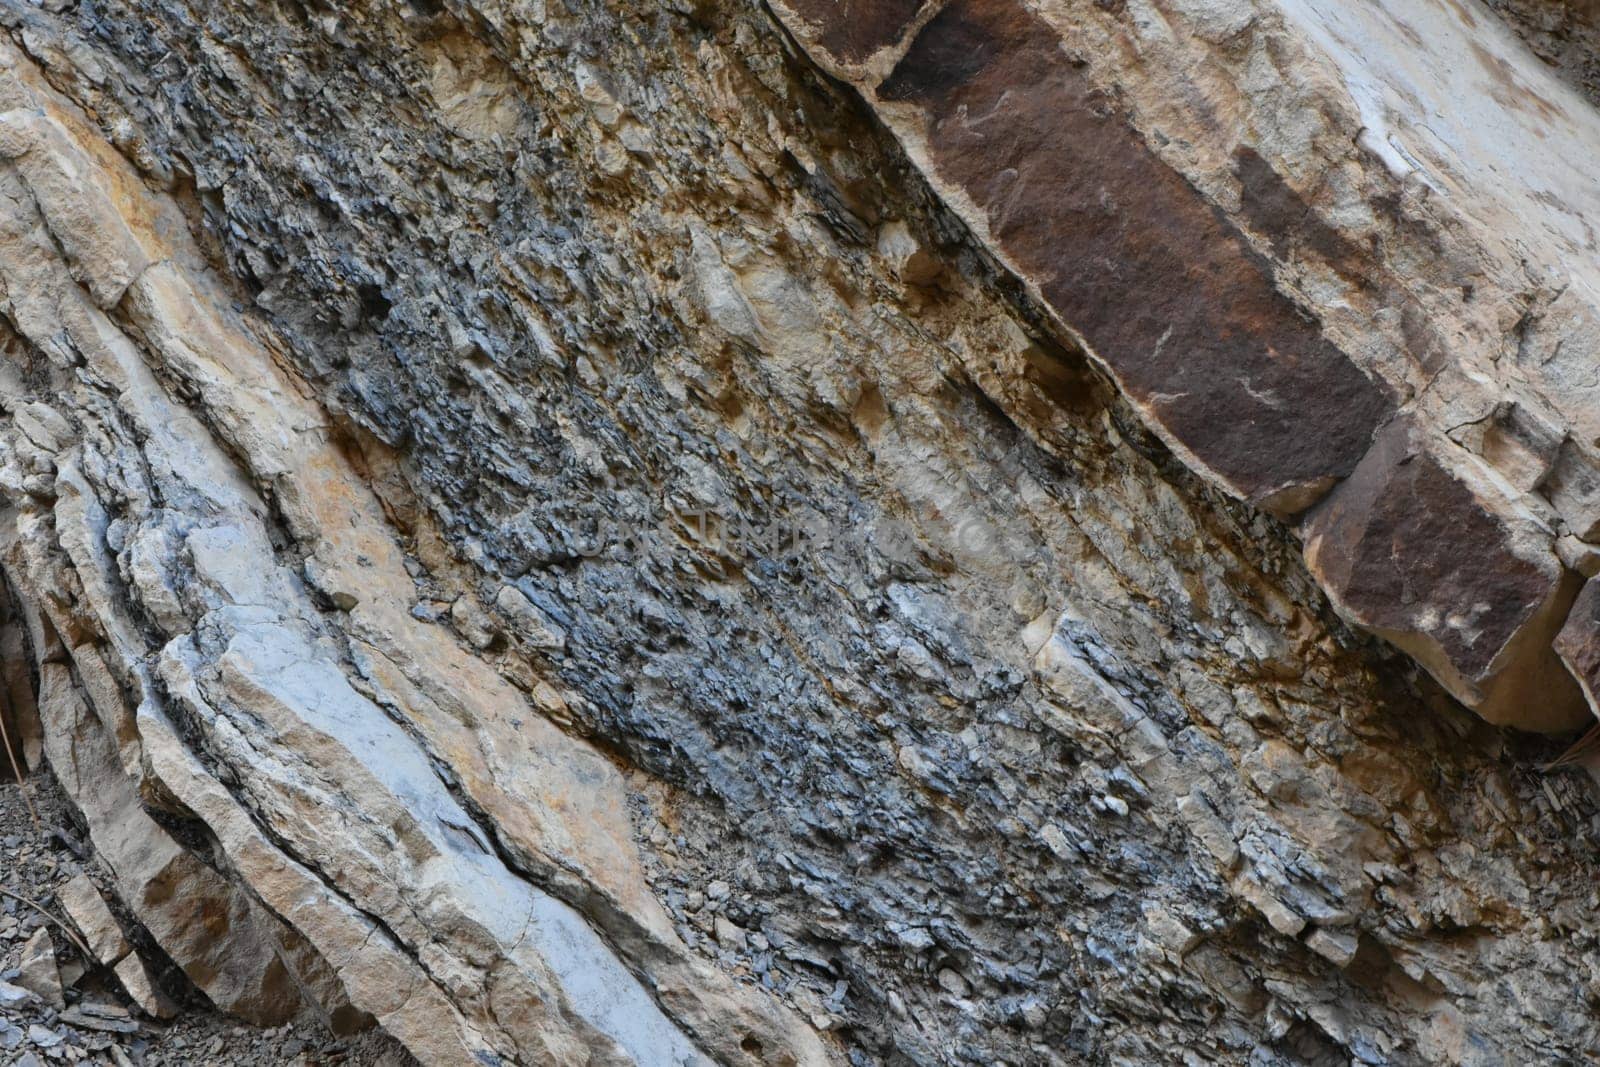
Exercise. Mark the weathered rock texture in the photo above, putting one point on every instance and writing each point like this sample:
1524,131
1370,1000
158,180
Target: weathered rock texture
410,410
1563,33
1338,256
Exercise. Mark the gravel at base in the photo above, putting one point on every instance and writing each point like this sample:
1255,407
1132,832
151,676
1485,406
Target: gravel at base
34,863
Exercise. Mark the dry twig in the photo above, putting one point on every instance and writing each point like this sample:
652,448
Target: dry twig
63,927
11,753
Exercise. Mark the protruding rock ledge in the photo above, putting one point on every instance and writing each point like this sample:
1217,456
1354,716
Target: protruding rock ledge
1126,172
1447,569
1163,290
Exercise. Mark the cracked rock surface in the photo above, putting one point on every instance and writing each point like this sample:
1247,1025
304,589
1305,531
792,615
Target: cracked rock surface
603,533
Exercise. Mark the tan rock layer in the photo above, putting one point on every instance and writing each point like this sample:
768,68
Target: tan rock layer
476,912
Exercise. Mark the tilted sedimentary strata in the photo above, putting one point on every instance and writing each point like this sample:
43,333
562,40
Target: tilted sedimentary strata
371,373
168,627
1358,245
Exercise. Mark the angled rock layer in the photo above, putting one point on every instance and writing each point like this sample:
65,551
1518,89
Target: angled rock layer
1189,187
535,522
180,648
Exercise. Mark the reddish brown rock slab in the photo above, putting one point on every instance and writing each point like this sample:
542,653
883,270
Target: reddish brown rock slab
1578,644
1162,288
850,32
1445,567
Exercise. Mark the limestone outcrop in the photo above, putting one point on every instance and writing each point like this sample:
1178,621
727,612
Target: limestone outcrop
691,533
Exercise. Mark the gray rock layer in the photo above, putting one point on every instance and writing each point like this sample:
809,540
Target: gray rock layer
567,534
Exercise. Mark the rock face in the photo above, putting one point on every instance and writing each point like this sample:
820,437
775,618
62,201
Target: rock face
1284,231
566,535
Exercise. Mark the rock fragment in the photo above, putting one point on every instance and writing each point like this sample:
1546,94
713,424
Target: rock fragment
38,973
529,623
728,934
140,984
1415,547
42,1037
13,997
93,918
1336,946
1578,643
102,1017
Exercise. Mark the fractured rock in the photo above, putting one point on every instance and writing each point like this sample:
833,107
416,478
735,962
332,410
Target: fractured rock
1445,567
1274,331
461,267
335,775
38,973
207,926
140,984
93,918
